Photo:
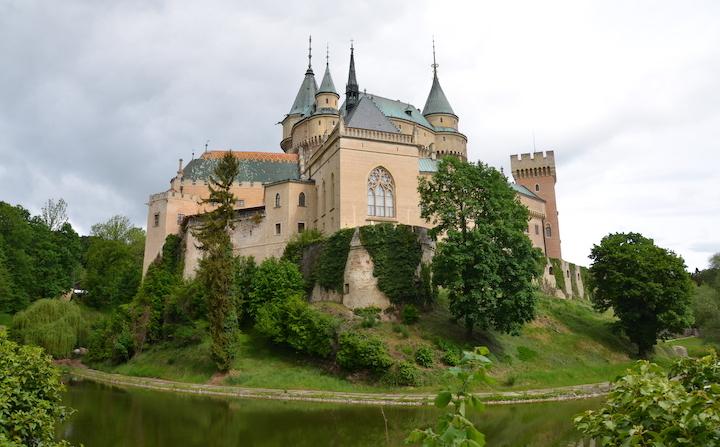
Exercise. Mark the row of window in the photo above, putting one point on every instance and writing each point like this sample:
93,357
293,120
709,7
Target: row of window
278,228
548,230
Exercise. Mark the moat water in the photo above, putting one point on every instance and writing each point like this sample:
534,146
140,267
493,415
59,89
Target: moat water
112,417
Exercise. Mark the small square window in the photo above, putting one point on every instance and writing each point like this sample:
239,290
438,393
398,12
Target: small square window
301,227
156,220
240,203
278,228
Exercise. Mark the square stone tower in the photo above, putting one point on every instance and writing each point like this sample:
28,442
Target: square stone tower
536,172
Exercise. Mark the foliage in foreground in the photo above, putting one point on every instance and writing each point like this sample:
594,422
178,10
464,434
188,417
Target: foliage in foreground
649,406
454,428
486,262
358,351
646,286
30,396
55,325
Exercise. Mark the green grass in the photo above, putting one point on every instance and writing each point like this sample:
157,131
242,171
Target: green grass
696,347
567,344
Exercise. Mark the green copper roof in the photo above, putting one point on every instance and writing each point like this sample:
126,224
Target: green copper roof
305,99
427,165
523,190
392,108
437,101
327,85
262,171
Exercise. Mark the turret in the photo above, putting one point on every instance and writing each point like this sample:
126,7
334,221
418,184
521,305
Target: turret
352,90
537,173
326,98
303,105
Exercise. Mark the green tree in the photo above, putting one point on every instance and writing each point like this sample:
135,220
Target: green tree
118,228
112,273
649,406
646,286
217,267
454,428
485,261
275,280
54,214
245,268
30,396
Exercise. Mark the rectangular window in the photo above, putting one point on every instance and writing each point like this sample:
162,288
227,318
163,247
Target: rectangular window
537,229
180,218
240,203
278,228
301,227
156,220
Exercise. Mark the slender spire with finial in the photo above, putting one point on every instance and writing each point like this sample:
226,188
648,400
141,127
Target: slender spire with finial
310,52
434,64
352,90
327,55
327,85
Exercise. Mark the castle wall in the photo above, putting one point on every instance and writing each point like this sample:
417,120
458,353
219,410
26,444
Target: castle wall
549,285
535,224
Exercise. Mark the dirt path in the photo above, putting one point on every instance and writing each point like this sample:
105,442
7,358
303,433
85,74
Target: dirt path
409,399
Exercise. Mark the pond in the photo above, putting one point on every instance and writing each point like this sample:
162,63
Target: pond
113,417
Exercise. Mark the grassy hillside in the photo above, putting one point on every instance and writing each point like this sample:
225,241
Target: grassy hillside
567,344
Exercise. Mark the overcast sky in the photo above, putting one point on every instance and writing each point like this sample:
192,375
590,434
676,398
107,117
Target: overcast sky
99,99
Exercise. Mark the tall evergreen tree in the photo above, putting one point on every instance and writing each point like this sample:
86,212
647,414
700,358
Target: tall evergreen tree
218,266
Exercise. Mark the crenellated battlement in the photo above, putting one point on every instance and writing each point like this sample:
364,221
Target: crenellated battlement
537,164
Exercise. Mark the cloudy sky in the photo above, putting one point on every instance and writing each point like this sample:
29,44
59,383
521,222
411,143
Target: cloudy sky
98,99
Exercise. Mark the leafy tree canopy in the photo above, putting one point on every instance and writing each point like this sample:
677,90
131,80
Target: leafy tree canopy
485,261
118,228
646,286
54,214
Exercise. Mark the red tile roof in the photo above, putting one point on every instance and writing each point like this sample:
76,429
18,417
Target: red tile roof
259,156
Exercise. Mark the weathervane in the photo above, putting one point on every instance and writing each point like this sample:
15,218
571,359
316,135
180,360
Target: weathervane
327,55
434,64
310,52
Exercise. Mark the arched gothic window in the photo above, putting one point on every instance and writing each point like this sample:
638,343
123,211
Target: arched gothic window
548,231
301,199
277,200
381,193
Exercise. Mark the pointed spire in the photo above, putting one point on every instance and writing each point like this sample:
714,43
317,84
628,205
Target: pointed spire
352,90
436,101
327,85
305,98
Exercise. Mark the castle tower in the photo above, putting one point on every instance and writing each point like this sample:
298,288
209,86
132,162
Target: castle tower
303,104
352,90
440,114
536,172
326,98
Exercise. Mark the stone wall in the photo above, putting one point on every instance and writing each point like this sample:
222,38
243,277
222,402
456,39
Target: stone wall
571,274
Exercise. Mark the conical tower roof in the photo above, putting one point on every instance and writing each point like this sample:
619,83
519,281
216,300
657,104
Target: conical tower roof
436,101
327,85
305,98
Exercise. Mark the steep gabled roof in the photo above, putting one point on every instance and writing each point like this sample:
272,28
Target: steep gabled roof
305,98
327,85
367,115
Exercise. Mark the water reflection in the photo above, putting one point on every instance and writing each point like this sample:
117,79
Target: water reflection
114,417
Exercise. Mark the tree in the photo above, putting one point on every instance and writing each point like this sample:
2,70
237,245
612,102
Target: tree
217,267
485,261
30,393
649,406
113,271
274,280
118,228
54,214
646,286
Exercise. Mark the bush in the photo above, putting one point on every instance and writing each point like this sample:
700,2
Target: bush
424,357
30,396
452,354
401,329
360,351
275,280
55,325
111,339
370,316
295,323
410,314
297,244
402,374
651,407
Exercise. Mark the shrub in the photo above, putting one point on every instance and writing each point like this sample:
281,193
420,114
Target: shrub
31,393
452,354
402,374
424,356
451,358
296,245
359,351
651,407
370,316
295,323
410,314
275,280
111,339
55,325
401,329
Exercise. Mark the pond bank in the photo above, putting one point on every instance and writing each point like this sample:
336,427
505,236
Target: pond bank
399,399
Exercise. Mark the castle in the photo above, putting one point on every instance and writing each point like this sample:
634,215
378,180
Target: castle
342,166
